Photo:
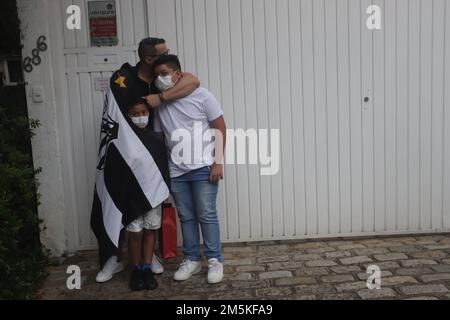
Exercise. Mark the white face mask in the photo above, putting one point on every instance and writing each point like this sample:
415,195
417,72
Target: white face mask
164,83
141,122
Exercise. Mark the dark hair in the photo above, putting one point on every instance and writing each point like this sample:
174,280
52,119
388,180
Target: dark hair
147,47
134,94
169,60
137,101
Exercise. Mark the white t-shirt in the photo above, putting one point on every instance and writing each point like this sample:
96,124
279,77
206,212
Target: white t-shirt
185,124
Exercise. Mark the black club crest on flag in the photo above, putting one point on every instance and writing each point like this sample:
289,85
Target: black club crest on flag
109,132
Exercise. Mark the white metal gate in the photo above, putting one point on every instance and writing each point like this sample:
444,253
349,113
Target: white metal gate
349,165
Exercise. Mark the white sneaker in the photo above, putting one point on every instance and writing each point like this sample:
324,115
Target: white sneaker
111,267
157,267
215,271
187,269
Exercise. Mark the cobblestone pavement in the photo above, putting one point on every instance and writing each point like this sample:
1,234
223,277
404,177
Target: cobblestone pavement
413,267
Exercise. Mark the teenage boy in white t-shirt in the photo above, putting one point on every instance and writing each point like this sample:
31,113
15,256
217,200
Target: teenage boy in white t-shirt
195,172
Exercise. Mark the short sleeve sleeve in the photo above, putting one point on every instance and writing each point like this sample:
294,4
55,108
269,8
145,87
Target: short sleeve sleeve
212,107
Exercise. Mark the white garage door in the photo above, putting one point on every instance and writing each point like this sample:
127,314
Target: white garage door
363,115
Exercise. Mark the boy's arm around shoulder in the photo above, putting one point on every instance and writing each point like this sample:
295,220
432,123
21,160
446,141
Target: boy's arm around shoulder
187,84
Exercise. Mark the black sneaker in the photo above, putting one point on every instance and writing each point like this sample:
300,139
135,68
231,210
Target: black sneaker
149,280
137,280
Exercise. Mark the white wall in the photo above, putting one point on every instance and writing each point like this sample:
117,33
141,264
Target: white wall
347,167
46,144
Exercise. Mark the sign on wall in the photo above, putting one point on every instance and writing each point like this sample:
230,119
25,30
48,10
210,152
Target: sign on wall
103,23
101,84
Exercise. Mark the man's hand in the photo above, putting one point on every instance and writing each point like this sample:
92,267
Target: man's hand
216,173
153,100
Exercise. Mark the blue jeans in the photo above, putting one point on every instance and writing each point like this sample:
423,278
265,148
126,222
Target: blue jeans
196,204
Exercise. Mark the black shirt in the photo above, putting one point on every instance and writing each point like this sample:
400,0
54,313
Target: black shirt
151,88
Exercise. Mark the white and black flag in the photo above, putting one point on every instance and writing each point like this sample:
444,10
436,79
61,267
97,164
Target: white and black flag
132,173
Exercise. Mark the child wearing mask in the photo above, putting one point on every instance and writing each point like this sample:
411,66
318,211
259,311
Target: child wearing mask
142,231
194,181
